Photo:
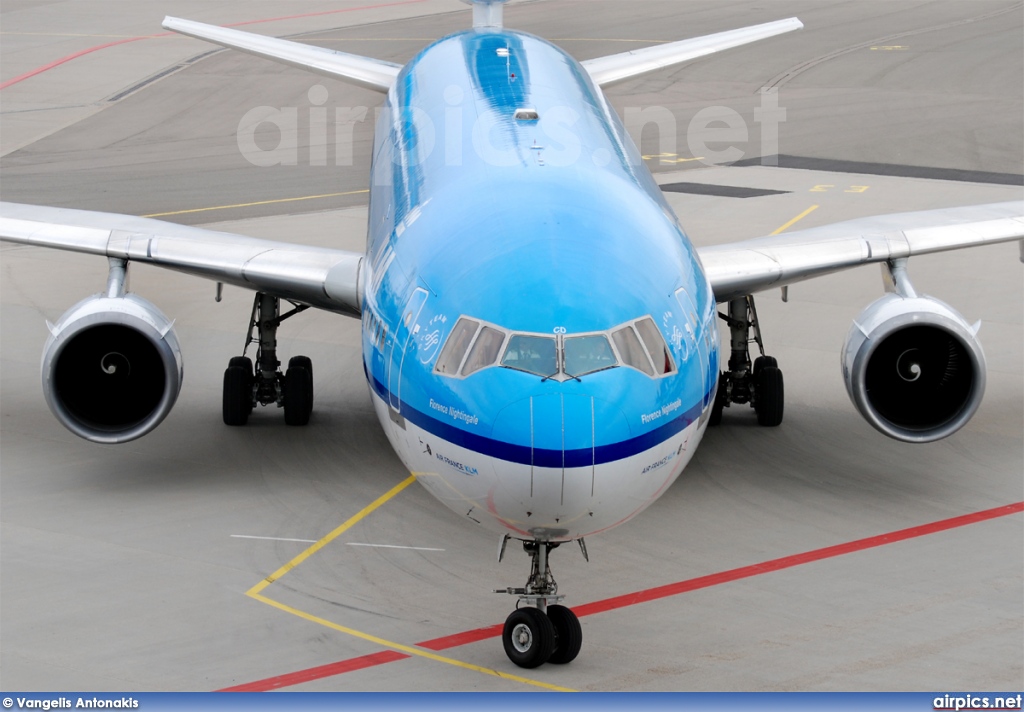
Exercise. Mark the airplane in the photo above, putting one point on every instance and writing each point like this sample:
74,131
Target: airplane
539,336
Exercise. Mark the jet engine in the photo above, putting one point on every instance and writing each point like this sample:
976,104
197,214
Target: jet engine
111,368
914,368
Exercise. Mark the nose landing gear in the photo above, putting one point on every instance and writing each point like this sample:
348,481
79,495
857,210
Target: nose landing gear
547,632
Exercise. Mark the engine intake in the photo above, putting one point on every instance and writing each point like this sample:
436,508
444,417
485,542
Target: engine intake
914,368
112,368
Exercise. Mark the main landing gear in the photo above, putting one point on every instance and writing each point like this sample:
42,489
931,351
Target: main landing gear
245,388
759,384
547,632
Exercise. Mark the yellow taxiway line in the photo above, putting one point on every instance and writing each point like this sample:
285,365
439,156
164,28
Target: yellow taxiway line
256,593
407,649
324,541
795,220
258,202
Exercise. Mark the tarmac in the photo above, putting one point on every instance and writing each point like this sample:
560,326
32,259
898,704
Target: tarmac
819,555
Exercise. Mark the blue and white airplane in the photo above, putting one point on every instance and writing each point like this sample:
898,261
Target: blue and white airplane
540,338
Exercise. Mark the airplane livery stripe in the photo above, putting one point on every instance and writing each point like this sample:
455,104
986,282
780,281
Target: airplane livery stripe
541,457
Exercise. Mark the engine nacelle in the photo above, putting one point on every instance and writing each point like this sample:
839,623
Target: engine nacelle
111,368
914,368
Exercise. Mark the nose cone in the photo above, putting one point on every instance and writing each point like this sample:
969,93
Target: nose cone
558,486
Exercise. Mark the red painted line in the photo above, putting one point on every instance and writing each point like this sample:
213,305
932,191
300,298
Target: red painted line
90,50
325,12
317,673
62,60
787,562
645,596
465,638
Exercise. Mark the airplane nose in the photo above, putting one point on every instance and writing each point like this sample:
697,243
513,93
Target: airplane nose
559,482
552,432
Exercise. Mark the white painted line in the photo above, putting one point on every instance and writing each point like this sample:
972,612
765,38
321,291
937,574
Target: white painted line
393,546
272,538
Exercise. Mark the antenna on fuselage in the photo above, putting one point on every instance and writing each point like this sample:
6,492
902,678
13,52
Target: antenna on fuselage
487,14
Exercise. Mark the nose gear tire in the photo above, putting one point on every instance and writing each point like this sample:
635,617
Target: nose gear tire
568,635
528,637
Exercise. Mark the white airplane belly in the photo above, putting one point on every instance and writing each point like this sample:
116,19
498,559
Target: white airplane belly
529,502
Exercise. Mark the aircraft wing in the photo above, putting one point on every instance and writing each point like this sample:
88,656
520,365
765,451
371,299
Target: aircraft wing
614,68
380,75
741,268
363,71
317,276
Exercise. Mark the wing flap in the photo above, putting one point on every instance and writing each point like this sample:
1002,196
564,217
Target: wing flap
615,68
741,268
321,277
363,71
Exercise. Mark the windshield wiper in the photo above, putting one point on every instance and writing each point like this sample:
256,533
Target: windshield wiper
556,373
596,370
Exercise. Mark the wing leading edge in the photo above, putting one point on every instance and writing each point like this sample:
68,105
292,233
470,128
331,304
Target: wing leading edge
615,68
741,268
330,279
366,72
380,75
320,277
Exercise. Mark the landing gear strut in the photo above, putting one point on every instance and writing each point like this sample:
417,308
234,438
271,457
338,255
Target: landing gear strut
245,387
547,632
759,384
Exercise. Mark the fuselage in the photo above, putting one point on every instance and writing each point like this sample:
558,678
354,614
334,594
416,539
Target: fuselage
539,338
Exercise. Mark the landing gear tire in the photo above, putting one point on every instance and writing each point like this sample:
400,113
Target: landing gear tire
762,361
718,406
237,400
568,635
243,362
529,637
306,363
769,395
298,394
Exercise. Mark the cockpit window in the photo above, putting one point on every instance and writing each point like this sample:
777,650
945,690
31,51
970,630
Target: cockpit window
485,350
656,346
533,354
586,354
454,350
631,351
474,345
